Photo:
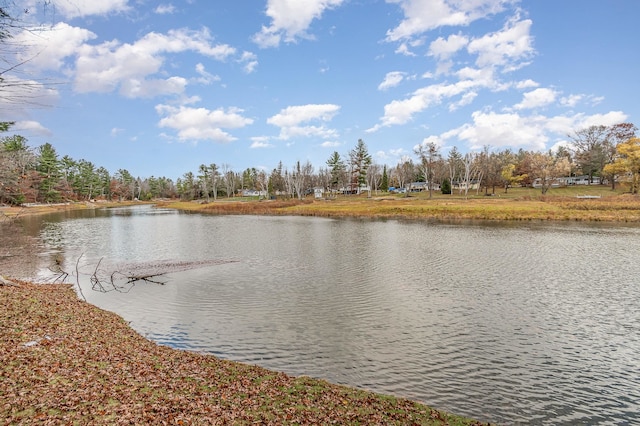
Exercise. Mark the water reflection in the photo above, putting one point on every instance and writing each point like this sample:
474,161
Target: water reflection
515,324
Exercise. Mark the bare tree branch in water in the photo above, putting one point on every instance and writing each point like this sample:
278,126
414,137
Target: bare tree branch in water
78,278
7,282
123,277
56,268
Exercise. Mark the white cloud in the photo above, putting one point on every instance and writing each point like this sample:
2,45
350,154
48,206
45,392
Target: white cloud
195,124
465,100
403,49
424,15
509,48
392,79
381,155
437,140
249,60
330,144
20,95
165,9
571,100
445,48
530,132
290,20
526,84
290,119
307,132
295,115
47,50
135,88
260,142
502,130
112,65
402,111
81,8
607,119
205,76
31,127
537,98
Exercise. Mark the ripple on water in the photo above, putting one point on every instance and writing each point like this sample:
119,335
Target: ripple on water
535,325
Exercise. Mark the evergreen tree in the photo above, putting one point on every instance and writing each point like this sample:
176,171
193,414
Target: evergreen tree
49,168
336,168
384,185
360,160
445,187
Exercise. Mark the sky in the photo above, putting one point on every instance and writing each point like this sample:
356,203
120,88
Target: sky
159,88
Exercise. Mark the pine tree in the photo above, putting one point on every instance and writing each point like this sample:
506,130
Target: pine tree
384,185
336,168
49,168
360,160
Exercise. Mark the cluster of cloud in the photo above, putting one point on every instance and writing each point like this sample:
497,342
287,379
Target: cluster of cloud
293,121
134,70
290,20
494,56
194,124
130,68
459,67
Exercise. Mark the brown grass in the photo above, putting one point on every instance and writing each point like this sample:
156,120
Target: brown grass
65,361
523,205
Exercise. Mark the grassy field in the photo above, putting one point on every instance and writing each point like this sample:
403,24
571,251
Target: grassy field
64,361
561,204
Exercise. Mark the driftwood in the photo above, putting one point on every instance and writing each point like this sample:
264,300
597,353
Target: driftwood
7,282
123,277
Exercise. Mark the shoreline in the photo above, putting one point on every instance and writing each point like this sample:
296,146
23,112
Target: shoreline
614,209
66,360
588,204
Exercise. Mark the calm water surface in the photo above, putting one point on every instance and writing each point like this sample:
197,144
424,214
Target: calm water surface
511,323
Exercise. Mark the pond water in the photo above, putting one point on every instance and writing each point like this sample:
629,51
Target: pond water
515,323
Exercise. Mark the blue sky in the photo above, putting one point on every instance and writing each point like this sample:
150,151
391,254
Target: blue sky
159,88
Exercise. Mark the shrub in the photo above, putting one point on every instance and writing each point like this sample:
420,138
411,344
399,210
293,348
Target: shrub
445,187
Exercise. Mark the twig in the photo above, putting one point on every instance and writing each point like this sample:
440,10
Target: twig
78,278
7,282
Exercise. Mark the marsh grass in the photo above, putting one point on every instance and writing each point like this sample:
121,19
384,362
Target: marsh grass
519,204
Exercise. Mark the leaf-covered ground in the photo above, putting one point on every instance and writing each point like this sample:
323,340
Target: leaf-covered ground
64,361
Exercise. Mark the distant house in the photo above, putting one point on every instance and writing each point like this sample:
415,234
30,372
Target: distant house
253,193
423,186
579,180
568,181
462,185
354,189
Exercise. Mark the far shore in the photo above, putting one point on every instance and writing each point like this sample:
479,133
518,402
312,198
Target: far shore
594,203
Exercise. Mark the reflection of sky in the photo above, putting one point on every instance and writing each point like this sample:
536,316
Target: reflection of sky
488,320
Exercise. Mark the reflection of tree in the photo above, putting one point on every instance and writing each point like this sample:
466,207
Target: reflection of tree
17,249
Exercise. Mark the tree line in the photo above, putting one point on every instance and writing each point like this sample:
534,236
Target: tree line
603,154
